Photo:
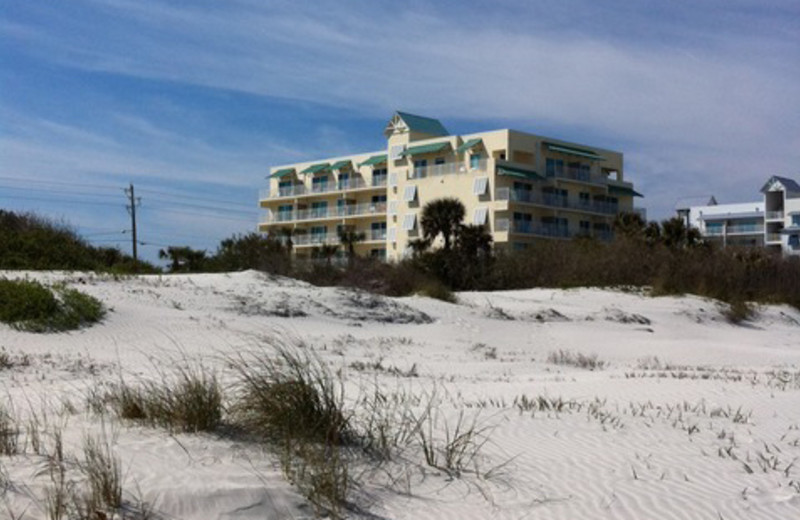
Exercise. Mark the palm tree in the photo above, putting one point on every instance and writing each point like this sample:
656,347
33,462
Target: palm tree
349,237
442,217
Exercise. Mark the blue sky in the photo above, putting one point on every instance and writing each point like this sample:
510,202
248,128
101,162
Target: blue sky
194,101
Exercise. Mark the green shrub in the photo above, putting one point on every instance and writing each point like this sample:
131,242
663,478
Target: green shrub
30,306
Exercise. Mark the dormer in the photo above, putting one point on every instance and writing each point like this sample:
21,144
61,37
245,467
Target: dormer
410,127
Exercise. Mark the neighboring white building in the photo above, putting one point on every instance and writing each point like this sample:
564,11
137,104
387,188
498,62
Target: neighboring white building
773,222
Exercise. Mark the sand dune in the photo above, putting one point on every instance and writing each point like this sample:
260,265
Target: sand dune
688,417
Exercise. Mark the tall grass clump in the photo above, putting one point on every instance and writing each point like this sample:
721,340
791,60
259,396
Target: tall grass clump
190,399
103,471
291,400
9,432
28,305
575,359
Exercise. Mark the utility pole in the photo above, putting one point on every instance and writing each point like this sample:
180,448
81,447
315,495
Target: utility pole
132,210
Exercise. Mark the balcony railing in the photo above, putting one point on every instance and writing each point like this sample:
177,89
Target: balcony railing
556,201
315,239
449,168
577,174
773,237
546,230
746,229
377,234
349,210
773,215
328,187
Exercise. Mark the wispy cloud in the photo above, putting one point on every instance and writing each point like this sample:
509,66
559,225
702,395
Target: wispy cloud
699,95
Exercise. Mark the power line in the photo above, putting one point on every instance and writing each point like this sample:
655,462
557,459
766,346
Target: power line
64,201
202,199
58,183
190,213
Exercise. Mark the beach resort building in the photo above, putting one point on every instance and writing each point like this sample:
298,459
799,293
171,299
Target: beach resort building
772,222
522,187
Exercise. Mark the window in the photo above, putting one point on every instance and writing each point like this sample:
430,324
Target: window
318,234
796,220
344,181
410,194
480,217
554,167
419,168
584,198
378,253
284,213
480,185
379,177
319,184
475,161
523,222
438,160
319,209
585,227
410,222
285,188
378,231
377,199
393,208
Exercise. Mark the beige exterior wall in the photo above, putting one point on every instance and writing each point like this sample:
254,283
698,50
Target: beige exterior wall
561,200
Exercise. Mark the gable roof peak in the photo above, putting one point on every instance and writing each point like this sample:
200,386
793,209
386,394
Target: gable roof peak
405,122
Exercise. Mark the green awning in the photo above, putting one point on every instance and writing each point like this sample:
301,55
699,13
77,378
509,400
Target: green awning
375,159
426,148
472,143
282,173
622,190
339,165
316,168
519,173
573,151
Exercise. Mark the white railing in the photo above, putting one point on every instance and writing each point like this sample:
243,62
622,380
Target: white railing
377,234
773,215
295,190
546,230
577,174
745,229
449,168
715,231
556,201
315,239
349,210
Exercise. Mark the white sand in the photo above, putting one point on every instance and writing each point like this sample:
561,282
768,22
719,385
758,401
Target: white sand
642,438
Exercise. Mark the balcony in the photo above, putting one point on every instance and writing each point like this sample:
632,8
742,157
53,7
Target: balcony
341,185
555,201
773,237
577,174
315,239
753,229
347,211
546,230
449,168
773,215
377,234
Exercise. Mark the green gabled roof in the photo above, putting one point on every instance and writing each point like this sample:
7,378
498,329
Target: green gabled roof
425,125
426,148
569,150
623,190
282,173
338,165
469,144
519,173
316,168
375,159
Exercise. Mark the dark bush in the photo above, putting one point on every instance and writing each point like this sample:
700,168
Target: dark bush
30,306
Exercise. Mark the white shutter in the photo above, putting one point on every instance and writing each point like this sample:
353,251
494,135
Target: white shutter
479,218
410,222
410,194
480,185
392,234
393,208
396,152
393,179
